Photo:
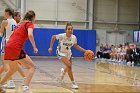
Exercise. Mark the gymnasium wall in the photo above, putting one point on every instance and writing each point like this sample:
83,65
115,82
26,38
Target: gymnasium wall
2,7
106,17
85,38
106,14
46,9
58,10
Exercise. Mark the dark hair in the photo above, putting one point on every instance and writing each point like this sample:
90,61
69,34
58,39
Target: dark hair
10,11
68,24
16,13
29,15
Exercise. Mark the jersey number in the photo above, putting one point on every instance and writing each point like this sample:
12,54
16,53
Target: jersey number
13,27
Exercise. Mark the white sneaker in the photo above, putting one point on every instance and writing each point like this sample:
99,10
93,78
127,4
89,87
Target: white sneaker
110,60
74,86
133,64
62,74
129,63
10,85
5,86
119,61
116,60
113,60
26,89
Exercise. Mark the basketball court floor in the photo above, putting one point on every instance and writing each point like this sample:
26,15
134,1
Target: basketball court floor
91,76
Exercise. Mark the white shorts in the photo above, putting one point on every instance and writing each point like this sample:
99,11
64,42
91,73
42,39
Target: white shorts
62,54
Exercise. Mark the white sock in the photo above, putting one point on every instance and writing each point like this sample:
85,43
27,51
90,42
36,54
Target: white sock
23,80
73,82
10,81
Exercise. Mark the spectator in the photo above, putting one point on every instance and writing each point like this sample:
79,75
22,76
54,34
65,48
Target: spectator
100,52
136,54
129,53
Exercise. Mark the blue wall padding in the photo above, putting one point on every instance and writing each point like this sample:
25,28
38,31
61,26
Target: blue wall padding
85,38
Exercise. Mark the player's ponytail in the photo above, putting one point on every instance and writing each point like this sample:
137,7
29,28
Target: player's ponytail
29,16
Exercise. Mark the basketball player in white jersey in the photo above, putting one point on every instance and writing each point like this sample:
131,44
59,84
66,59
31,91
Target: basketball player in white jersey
17,17
66,41
7,26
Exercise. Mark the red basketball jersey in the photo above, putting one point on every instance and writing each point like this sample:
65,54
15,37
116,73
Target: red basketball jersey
16,41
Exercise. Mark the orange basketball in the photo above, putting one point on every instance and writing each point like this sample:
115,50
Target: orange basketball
88,55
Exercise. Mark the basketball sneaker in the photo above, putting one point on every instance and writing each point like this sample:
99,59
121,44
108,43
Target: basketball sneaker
133,63
119,61
10,85
74,85
128,63
5,86
26,89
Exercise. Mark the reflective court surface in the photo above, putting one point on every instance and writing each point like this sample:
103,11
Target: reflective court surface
91,76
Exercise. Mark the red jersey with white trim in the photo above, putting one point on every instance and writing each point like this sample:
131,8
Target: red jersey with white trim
16,41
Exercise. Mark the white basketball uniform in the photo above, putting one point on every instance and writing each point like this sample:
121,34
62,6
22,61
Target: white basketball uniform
8,30
64,45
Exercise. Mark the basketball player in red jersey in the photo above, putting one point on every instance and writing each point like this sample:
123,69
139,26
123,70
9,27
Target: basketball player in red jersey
14,51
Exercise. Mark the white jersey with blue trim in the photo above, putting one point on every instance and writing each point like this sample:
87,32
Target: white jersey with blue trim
10,27
65,43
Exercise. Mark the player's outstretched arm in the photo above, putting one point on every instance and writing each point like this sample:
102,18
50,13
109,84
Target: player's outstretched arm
51,43
79,48
31,38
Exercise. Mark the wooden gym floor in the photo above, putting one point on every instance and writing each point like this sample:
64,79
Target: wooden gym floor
91,76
